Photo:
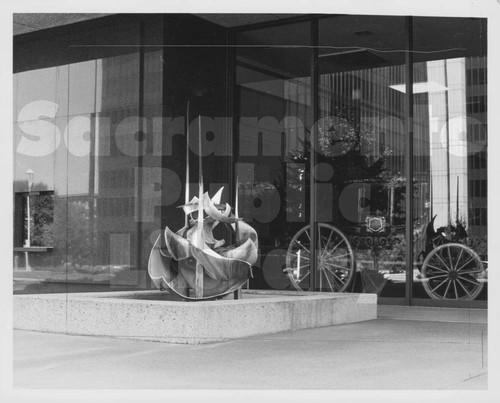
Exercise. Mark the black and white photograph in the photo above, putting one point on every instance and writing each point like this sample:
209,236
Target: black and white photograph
274,202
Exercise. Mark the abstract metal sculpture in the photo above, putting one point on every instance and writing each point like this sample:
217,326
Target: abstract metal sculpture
191,259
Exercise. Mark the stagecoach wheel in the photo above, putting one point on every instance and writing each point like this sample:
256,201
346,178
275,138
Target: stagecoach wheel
335,259
453,271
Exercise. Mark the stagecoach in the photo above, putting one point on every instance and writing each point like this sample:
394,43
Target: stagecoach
448,267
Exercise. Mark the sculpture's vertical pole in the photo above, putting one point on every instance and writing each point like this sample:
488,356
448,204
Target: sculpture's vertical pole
237,293
186,195
198,291
236,215
391,205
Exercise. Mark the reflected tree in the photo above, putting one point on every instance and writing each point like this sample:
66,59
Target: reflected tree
41,214
349,147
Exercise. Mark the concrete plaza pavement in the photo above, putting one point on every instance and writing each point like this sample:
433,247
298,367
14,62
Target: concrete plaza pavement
405,348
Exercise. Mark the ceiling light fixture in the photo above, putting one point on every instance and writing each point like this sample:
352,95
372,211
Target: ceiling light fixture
422,87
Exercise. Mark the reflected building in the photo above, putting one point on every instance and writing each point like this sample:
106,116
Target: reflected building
476,108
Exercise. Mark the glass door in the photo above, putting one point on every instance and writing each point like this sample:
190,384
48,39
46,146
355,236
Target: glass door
273,95
361,145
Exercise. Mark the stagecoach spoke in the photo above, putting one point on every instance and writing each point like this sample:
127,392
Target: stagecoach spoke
470,272
327,279
339,256
320,244
334,274
303,248
466,263
459,257
470,281
329,257
329,237
445,265
439,285
455,287
336,246
446,291
465,289
436,276
303,278
449,256
437,268
323,253
308,236
302,257
336,265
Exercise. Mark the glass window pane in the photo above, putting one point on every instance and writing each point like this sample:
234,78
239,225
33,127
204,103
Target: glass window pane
450,172
35,144
33,86
82,87
67,143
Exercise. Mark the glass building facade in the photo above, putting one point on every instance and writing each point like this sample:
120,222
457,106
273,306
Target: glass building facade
321,125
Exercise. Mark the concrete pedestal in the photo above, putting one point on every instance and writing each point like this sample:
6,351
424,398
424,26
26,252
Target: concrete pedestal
150,315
